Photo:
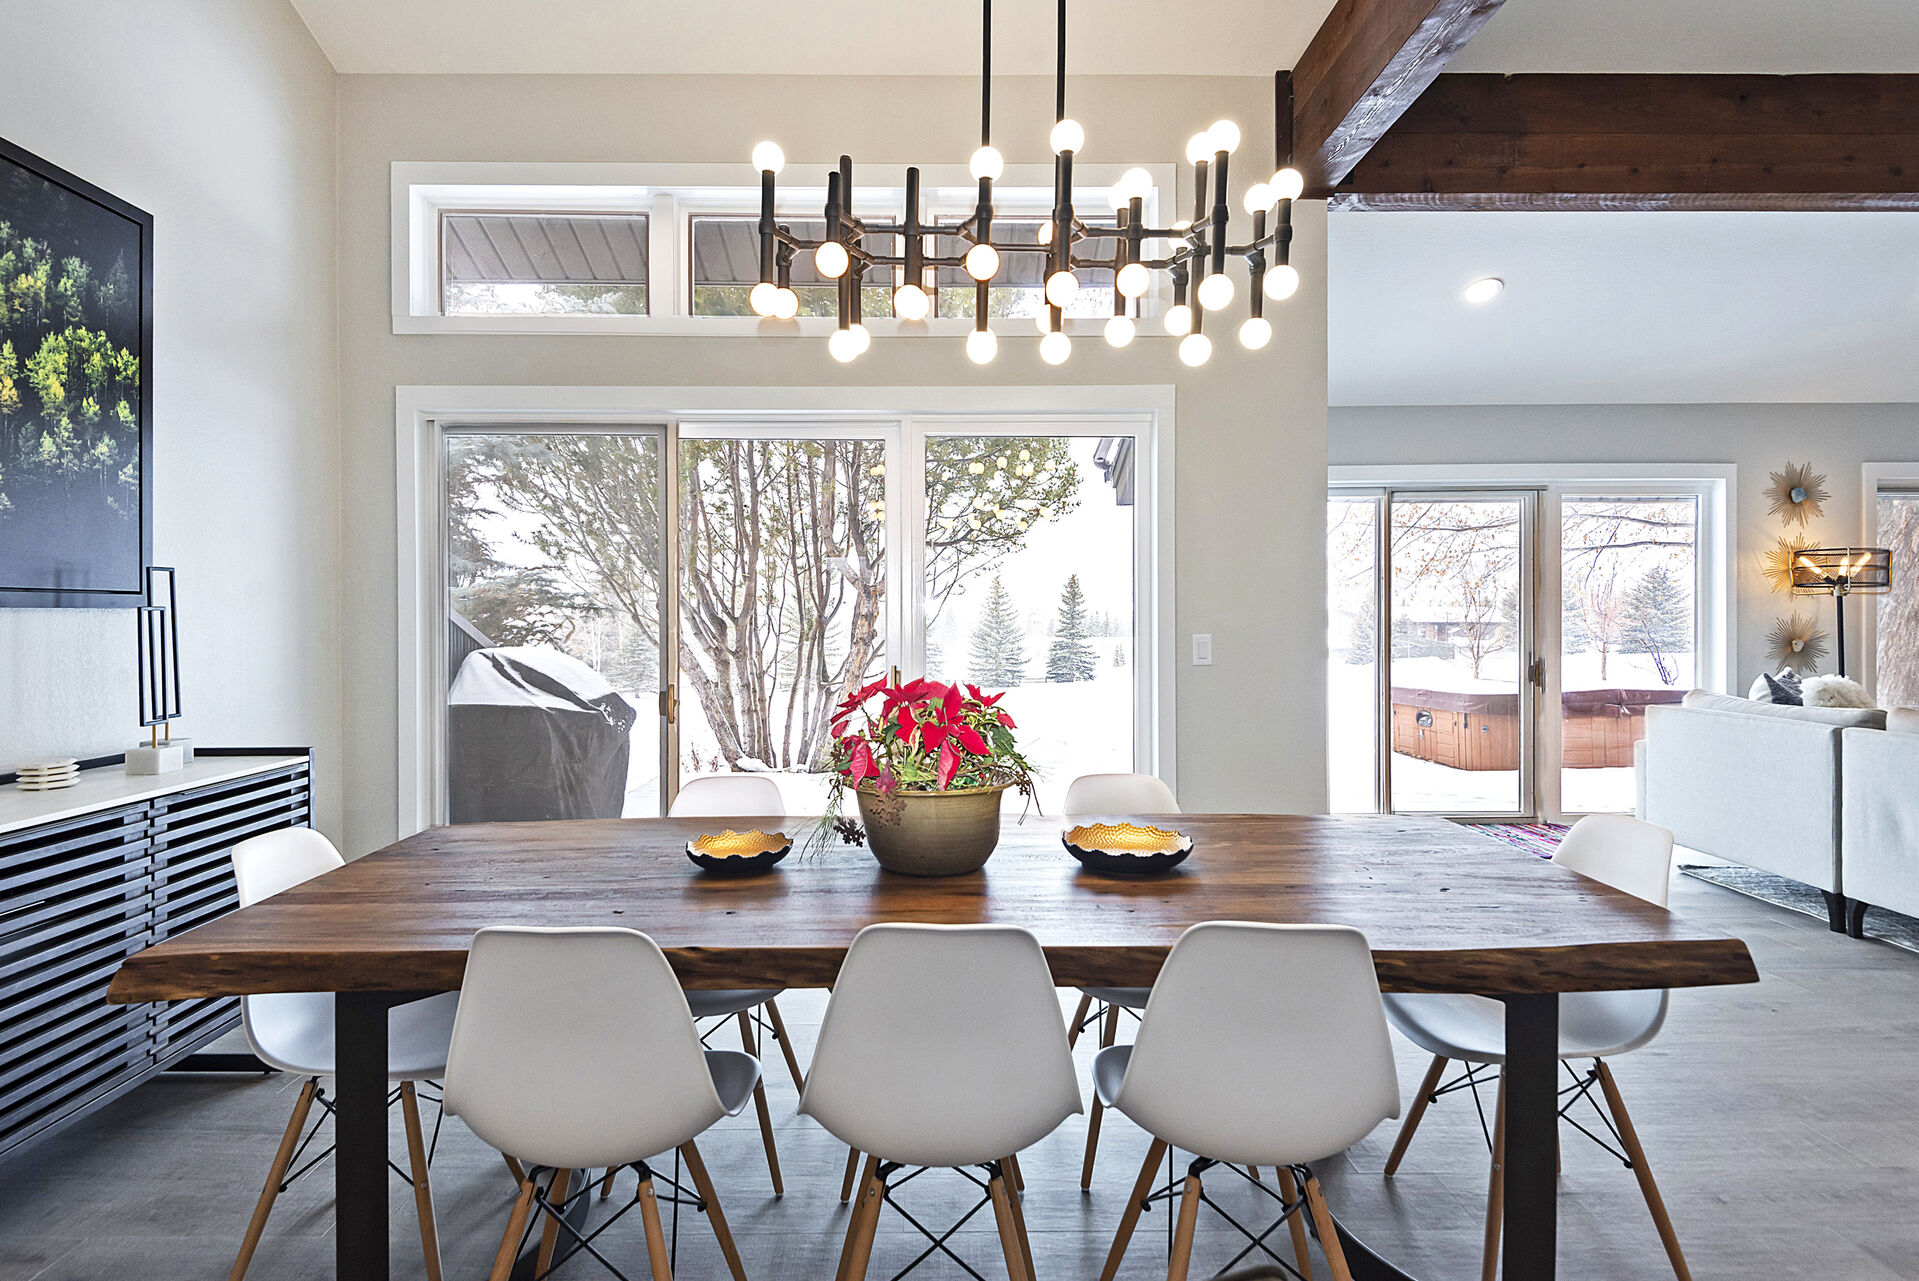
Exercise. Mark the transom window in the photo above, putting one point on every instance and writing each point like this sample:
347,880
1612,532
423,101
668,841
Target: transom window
543,264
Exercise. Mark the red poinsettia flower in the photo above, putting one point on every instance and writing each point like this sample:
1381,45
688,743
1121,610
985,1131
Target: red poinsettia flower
949,764
859,762
907,725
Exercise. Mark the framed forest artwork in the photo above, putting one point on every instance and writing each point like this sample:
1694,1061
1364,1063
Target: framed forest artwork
76,396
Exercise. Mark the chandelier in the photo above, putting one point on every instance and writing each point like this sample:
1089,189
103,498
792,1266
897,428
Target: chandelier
1192,252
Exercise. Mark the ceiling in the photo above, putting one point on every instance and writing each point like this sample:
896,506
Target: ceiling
810,37
1623,308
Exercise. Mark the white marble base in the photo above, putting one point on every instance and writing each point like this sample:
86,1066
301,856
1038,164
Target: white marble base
164,759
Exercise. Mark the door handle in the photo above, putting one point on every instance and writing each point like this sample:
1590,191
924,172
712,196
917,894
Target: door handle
670,704
896,677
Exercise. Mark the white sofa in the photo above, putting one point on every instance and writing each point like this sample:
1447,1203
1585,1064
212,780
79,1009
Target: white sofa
1879,844
1760,785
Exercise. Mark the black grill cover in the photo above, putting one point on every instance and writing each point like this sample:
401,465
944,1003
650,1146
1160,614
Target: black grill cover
534,734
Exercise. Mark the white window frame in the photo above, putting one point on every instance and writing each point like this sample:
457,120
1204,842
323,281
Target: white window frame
671,193
903,416
1874,478
1713,484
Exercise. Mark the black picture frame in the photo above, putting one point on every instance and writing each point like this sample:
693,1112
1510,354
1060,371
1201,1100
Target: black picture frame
14,594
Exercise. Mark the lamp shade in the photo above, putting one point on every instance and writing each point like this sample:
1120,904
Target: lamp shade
1825,571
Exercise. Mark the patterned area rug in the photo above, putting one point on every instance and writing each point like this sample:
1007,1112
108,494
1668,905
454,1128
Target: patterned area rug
1537,838
1886,926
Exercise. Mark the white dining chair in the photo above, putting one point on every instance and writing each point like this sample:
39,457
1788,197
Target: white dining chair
941,1048
1628,855
574,1050
1261,1045
1109,796
293,1032
737,796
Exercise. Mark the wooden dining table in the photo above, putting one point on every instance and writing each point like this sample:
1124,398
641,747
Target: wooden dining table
1445,909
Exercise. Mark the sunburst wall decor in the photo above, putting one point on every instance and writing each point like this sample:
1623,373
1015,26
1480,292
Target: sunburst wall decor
1796,642
1779,560
1797,495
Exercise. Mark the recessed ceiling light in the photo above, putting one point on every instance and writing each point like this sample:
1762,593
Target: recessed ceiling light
1485,289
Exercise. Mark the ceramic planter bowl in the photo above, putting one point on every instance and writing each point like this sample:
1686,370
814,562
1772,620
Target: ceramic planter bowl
946,833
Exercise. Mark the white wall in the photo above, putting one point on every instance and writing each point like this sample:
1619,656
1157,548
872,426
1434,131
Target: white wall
1758,439
217,117
1251,428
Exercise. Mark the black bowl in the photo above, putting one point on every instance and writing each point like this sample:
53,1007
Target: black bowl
737,864
1127,863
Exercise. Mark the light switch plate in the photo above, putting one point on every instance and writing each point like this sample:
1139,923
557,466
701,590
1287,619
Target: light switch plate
1202,649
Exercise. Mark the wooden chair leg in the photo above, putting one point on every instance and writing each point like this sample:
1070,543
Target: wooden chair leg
852,1169
1328,1234
1182,1257
1019,1216
1415,1114
655,1233
865,1222
749,1042
550,1234
422,1188
276,1172
1289,1189
1079,1017
1629,1139
1142,1188
515,1224
606,1183
703,1184
1002,1199
1019,1179
1108,1033
786,1045
1495,1188
514,1168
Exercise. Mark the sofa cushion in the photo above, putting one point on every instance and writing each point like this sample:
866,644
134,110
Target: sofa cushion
1903,720
1844,717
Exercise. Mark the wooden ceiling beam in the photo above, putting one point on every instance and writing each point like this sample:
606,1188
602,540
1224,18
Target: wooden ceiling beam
1369,62
1547,142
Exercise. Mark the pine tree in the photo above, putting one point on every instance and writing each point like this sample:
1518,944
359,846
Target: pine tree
1657,619
1119,656
999,643
1070,658
1362,642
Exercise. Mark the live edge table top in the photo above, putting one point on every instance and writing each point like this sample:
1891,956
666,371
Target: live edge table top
1445,909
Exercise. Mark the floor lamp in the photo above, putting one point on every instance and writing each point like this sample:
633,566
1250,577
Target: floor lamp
1840,572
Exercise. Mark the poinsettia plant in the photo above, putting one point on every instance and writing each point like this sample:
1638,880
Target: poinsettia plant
922,736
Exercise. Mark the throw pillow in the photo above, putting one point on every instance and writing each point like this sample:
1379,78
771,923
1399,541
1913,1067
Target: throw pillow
1836,691
1785,689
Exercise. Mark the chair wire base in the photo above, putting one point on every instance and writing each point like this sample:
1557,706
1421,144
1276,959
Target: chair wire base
1581,1087
676,1195
326,1106
1174,1190
889,1185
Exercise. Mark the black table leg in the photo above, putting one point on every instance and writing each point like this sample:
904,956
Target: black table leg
359,1159
1531,1231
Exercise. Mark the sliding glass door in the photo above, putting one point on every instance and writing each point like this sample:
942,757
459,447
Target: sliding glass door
1478,670
629,607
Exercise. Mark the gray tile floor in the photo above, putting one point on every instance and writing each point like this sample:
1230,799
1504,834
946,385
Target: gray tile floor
1779,1120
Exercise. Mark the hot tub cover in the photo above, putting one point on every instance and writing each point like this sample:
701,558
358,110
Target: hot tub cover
534,734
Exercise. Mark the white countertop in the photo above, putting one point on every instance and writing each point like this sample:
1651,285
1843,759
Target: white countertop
110,787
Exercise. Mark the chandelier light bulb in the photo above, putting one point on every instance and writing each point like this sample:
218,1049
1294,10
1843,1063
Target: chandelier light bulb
1119,331
1068,136
982,262
831,260
1055,348
981,347
1282,282
1255,333
1044,321
1225,136
1134,182
1061,286
768,158
987,163
1179,319
1199,148
764,299
786,304
1195,350
1216,292
1046,232
911,303
1259,198
843,345
1133,279
1287,184
861,339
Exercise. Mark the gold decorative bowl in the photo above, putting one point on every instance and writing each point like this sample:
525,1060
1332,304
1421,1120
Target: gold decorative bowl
738,853
1126,849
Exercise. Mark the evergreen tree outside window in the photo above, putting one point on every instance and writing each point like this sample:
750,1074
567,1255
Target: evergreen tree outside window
998,657
1070,657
